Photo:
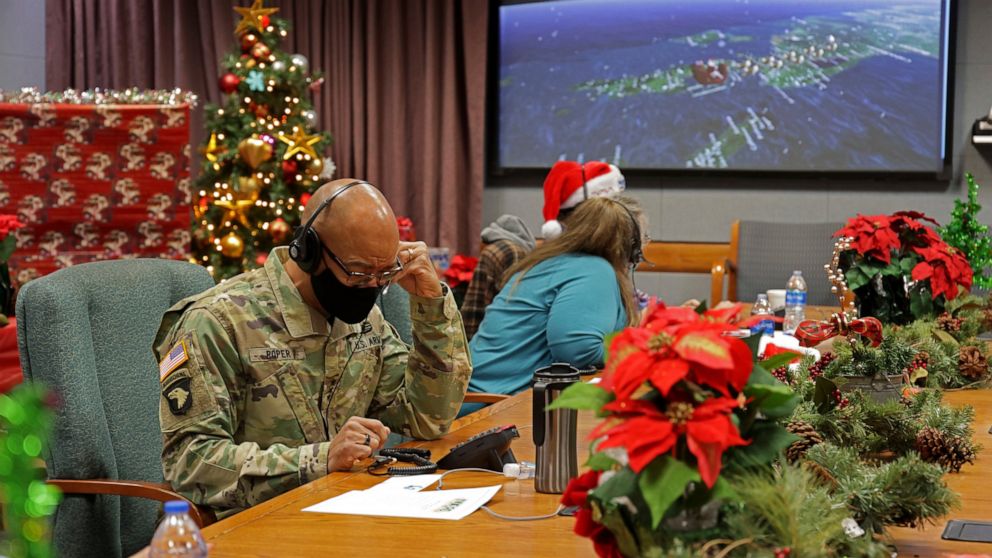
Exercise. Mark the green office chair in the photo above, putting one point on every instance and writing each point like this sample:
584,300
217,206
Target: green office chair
87,333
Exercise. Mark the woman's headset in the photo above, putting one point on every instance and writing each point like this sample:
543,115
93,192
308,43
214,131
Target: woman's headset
306,247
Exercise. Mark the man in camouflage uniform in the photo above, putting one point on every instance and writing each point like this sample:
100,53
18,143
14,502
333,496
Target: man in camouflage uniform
265,386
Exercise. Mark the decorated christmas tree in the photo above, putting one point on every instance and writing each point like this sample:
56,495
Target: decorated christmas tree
966,233
262,158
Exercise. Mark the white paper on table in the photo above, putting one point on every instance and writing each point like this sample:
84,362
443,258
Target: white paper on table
429,504
412,483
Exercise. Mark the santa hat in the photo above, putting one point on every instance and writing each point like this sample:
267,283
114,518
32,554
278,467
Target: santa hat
563,189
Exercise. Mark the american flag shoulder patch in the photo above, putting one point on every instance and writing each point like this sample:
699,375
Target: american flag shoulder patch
176,357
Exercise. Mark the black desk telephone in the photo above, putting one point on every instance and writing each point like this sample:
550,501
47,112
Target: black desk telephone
486,450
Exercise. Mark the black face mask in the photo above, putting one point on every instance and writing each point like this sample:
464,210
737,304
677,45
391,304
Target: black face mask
348,304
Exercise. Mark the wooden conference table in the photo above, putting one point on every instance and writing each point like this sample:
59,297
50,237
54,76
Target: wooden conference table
278,527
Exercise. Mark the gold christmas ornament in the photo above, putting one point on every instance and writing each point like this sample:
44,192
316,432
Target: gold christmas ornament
212,151
254,151
251,17
249,188
299,142
231,246
260,50
316,165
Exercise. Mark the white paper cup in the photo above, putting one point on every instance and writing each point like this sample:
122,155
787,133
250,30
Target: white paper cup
776,299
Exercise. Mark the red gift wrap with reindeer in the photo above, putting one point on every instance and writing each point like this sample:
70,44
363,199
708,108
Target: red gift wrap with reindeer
94,176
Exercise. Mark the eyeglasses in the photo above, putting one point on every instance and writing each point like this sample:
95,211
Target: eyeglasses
356,278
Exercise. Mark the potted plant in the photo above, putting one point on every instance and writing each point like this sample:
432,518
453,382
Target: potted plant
683,407
899,268
8,224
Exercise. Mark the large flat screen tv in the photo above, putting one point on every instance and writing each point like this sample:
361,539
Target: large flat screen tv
739,85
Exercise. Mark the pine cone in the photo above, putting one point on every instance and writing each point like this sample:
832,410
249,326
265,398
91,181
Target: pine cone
987,318
949,323
950,453
808,437
972,364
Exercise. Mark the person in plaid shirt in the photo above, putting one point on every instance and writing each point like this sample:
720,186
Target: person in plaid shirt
507,241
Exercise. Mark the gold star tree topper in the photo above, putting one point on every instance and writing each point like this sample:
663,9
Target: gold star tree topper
251,17
299,142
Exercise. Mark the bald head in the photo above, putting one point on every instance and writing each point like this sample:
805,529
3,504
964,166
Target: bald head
359,226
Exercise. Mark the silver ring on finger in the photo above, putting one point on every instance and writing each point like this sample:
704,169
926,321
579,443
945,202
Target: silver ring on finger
368,440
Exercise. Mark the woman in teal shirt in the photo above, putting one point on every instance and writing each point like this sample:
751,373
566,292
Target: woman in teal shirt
562,299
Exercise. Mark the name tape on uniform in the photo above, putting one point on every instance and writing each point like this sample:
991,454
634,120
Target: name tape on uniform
268,354
176,357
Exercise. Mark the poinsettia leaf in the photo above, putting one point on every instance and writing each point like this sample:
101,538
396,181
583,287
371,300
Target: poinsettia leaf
581,395
907,264
600,462
7,246
662,483
761,376
770,398
701,309
768,439
869,269
945,338
855,279
723,490
892,269
622,484
781,359
823,394
753,342
706,349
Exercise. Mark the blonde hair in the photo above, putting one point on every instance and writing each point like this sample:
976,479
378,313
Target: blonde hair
601,227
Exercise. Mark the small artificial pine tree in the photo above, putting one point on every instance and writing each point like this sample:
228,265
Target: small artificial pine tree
966,233
261,160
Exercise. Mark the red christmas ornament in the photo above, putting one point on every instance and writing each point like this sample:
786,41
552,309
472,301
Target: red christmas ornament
279,229
783,552
289,167
261,111
264,20
305,198
229,82
260,259
248,40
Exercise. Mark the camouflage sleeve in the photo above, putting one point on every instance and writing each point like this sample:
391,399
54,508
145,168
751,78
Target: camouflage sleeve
200,411
421,390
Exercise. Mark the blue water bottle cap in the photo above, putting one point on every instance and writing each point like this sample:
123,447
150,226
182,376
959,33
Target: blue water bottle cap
176,506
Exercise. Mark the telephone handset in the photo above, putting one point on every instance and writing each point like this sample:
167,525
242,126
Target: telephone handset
486,450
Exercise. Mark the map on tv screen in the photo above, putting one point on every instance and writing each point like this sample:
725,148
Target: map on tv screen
784,85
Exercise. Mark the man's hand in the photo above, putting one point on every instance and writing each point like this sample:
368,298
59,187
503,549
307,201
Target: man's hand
418,276
358,439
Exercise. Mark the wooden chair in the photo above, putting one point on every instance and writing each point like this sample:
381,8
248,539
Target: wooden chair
688,257
87,332
763,255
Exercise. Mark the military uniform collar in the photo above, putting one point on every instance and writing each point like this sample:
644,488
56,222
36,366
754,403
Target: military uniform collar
301,320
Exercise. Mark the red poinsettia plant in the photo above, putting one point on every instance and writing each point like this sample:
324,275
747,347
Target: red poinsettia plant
684,405
899,268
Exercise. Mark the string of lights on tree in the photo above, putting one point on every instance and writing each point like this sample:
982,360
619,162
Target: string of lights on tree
262,158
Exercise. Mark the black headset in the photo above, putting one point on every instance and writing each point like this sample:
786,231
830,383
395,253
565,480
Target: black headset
306,247
636,250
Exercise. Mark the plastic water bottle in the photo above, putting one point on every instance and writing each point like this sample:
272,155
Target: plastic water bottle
795,302
177,536
522,471
762,308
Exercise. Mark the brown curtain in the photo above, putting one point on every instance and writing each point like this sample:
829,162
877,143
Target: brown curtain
404,94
